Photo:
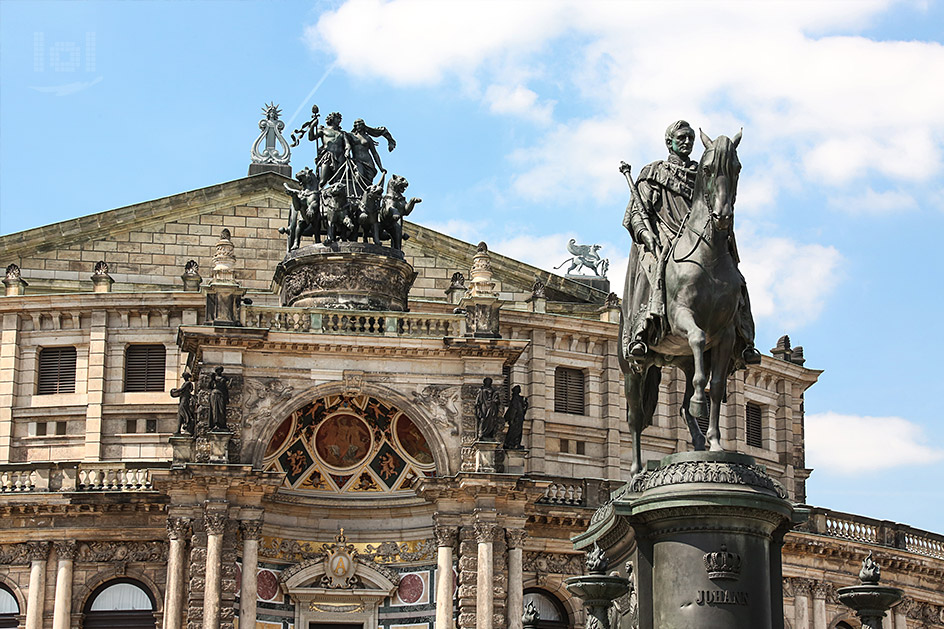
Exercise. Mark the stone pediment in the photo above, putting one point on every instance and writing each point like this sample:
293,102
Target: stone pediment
148,244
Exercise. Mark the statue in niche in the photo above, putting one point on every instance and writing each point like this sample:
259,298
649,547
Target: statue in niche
488,411
218,384
185,415
514,416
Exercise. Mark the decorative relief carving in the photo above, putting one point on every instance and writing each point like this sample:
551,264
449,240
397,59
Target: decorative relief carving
215,523
704,472
261,395
250,529
442,404
445,535
122,551
553,563
515,537
723,564
66,550
485,531
384,553
13,554
37,551
178,528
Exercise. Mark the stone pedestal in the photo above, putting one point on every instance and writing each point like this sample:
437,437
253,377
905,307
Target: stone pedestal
705,531
223,303
182,447
219,443
347,276
599,283
515,461
486,456
283,169
482,316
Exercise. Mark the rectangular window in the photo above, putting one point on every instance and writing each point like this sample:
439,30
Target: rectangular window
581,447
40,429
569,389
56,370
61,428
151,425
144,368
755,425
565,445
131,426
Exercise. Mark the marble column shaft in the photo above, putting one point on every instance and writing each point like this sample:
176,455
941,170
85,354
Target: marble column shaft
62,611
819,606
178,530
515,609
801,605
446,540
484,583
38,552
212,591
248,587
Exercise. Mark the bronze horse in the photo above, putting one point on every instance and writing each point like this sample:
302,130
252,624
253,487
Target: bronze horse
702,289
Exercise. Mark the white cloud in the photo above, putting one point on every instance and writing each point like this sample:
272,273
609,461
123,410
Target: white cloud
519,101
841,106
850,444
872,202
788,281
468,231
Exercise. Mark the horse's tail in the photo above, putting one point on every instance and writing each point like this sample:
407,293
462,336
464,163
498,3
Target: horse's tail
563,263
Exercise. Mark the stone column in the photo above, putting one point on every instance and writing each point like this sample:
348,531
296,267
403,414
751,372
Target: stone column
484,601
215,524
37,554
446,541
801,604
900,616
178,530
515,539
62,612
820,591
247,589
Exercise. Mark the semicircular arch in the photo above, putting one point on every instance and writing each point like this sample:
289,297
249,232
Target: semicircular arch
337,393
82,595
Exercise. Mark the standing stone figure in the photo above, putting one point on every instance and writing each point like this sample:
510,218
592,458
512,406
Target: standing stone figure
219,399
185,417
364,150
488,411
659,206
514,415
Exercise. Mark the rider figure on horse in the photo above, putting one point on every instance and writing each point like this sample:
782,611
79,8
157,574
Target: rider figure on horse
654,218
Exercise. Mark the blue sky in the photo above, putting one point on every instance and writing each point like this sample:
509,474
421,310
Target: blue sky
511,119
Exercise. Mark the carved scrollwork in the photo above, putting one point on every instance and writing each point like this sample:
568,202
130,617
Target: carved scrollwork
705,472
553,563
485,531
445,535
515,537
37,551
250,529
215,523
178,528
66,550
122,551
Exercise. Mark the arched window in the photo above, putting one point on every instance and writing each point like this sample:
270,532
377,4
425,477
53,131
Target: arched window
551,610
9,608
121,603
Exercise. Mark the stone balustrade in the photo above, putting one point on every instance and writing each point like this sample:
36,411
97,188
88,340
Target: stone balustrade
564,493
879,532
43,477
354,322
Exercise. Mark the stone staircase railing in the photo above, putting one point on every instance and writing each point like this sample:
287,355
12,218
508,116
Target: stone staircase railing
325,321
23,478
878,532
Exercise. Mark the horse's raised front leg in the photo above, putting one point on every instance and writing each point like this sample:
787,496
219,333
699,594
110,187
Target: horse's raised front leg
632,385
684,324
698,438
720,361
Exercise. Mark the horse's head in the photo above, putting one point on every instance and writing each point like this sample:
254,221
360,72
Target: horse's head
718,177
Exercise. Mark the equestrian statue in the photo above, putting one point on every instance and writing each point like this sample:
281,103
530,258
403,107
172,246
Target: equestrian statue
685,301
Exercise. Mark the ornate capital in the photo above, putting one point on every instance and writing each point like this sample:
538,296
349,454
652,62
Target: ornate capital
66,550
515,537
215,523
178,528
802,587
445,535
251,529
485,531
821,589
37,551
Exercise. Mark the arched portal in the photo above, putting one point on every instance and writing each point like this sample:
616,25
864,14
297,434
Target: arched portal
354,445
9,608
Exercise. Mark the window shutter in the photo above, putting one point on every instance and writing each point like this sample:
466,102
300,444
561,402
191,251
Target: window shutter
144,368
506,383
569,391
56,370
755,425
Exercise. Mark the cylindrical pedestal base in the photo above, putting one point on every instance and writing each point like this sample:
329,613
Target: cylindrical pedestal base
708,529
347,275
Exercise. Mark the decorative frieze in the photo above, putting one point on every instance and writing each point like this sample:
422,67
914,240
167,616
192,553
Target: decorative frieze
553,563
383,553
98,552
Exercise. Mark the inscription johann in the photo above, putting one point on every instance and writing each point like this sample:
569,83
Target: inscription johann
721,597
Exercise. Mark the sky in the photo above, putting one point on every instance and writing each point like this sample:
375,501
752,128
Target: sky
511,119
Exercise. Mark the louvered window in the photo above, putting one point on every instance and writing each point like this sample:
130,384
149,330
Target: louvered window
56,370
755,425
506,383
144,368
569,391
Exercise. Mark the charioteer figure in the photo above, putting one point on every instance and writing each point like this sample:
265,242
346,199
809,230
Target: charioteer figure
660,204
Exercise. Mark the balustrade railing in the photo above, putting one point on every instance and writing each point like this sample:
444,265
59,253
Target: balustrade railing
325,321
878,532
19,478
570,493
